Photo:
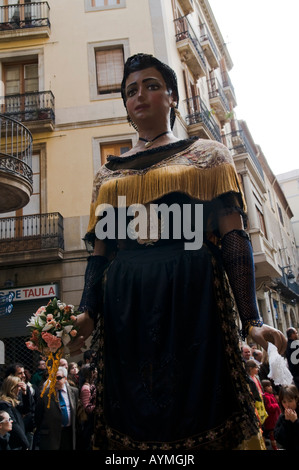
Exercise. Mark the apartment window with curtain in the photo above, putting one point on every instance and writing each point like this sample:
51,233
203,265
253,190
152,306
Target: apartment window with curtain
109,70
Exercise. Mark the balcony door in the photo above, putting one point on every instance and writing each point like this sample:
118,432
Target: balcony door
15,11
20,82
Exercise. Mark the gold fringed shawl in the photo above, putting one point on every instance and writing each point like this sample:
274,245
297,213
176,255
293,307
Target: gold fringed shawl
203,171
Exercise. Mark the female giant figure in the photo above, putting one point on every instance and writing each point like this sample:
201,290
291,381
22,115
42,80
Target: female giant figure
171,375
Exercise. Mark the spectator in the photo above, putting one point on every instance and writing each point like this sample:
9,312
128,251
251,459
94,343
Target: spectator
292,354
9,402
26,399
63,363
251,368
257,356
73,374
56,425
5,428
38,375
273,410
286,431
88,399
246,352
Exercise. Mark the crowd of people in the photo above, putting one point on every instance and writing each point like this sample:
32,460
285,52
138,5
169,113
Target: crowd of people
277,406
29,421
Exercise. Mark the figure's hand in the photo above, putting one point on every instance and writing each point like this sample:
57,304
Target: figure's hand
85,327
265,333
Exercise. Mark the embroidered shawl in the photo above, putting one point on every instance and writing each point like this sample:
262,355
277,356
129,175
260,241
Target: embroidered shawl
204,170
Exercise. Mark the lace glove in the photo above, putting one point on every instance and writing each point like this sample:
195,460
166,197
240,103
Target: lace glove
238,262
92,292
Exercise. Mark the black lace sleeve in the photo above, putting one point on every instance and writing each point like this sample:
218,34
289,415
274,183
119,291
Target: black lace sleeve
239,265
92,295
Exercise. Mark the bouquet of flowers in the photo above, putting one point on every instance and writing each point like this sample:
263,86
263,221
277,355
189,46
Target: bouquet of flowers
52,328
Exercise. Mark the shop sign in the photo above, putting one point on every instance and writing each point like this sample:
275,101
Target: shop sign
32,292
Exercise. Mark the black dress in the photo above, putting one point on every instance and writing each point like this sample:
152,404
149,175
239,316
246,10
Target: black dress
170,372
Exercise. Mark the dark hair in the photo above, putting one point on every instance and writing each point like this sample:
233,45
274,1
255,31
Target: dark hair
250,365
266,383
12,369
290,331
144,61
288,391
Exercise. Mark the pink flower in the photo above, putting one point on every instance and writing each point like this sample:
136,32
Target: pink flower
73,317
31,346
73,333
49,317
40,310
53,342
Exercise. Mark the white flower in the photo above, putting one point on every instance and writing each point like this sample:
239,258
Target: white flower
47,327
64,334
41,322
32,321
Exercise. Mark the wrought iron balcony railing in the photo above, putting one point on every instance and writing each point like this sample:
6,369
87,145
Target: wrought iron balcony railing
15,148
198,113
28,15
31,232
240,144
206,36
216,91
184,30
35,106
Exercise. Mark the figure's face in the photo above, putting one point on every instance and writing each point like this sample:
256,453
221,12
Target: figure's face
148,100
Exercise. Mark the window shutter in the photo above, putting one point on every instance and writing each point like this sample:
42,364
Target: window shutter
109,65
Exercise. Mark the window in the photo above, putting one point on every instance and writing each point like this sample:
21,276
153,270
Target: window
261,221
105,68
115,148
280,215
92,5
104,3
20,78
109,70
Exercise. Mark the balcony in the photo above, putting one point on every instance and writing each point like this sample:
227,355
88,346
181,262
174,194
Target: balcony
36,110
24,21
289,290
263,254
187,6
15,164
218,99
200,120
189,47
209,47
238,143
31,238
228,88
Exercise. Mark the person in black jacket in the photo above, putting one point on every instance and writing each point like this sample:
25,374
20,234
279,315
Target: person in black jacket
5,428
9,402
286,431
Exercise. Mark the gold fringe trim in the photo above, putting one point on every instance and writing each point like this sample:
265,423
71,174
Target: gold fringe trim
198,183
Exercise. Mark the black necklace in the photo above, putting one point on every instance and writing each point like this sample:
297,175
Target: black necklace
149,142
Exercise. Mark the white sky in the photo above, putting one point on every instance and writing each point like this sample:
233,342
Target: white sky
263,40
